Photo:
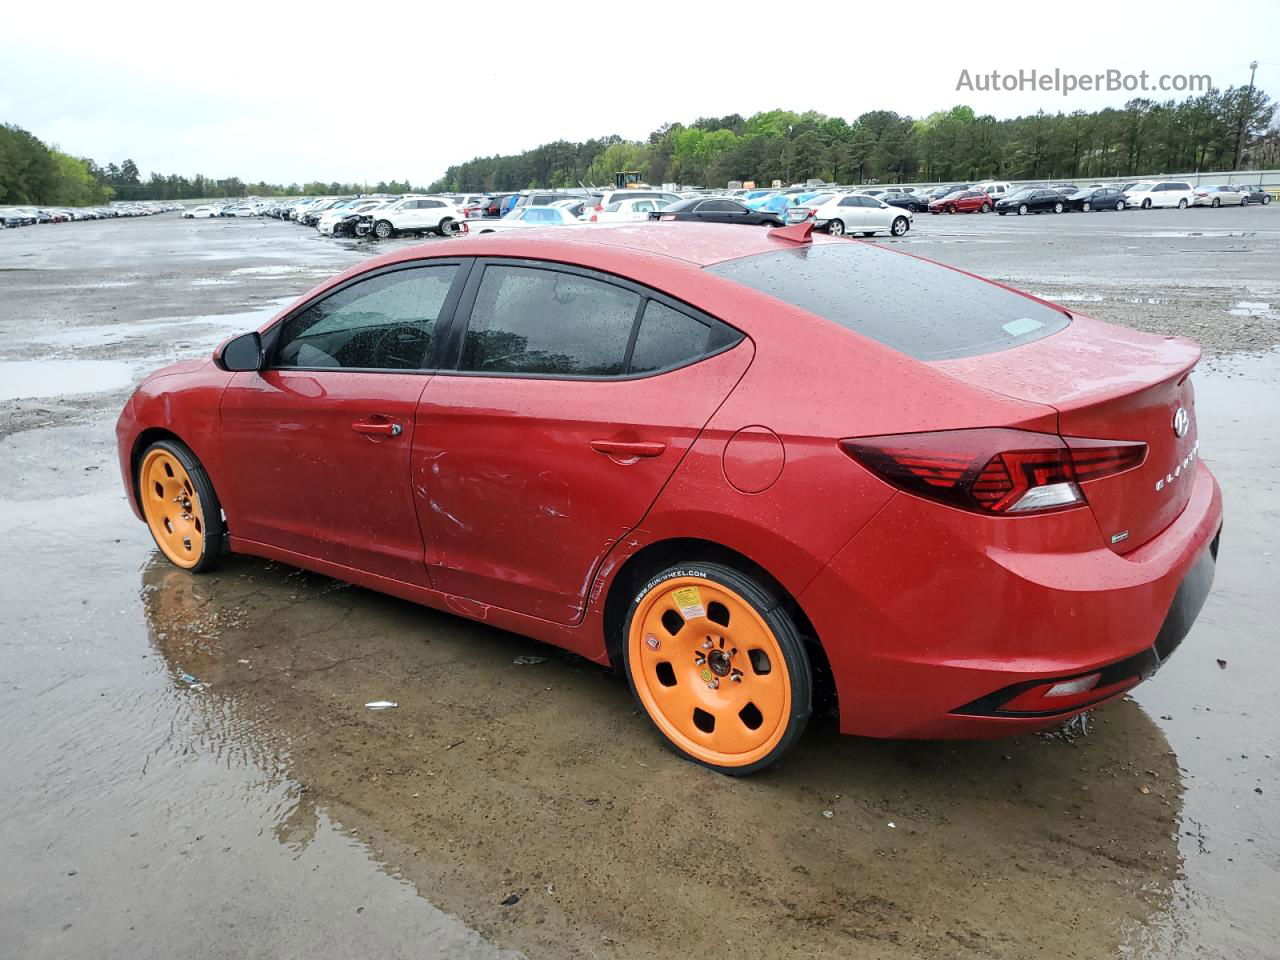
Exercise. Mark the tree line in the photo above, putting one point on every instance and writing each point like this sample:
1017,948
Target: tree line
1199,133
32,172
1204,132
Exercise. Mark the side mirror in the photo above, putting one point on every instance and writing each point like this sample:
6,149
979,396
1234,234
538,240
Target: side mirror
241,353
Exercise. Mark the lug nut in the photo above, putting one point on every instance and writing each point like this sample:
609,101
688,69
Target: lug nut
699,659
706,644
713,682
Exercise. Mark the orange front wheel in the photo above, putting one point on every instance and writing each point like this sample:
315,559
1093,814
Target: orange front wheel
717,663
179,505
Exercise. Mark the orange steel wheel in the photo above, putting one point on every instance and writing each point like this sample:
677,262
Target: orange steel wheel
719,668
171,503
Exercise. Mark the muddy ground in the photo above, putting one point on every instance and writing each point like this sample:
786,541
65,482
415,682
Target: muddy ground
191,771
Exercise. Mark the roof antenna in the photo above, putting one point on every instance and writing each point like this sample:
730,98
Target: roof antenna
796,233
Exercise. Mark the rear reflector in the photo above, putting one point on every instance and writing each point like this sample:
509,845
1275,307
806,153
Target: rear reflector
995,470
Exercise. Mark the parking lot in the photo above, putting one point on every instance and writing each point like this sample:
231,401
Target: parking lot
193,772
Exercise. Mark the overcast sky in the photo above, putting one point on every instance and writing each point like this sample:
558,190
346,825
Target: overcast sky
401,90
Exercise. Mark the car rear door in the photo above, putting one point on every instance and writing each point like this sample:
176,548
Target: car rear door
318,442
574,397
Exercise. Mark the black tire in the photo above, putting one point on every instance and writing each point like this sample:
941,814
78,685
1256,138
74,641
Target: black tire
1057,207
1121,205
214,529
1215,202
1086,206
776,617
1182,204
447,227
1146,204
1266,199
1244,201
1022,209
383,230
835,227
986,208
900,226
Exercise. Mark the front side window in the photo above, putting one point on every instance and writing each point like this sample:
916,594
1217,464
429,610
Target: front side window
383,323
528,320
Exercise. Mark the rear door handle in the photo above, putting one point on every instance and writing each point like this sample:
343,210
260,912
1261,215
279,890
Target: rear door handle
628,452
377,428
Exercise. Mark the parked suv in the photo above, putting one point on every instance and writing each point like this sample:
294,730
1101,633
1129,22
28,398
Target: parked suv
1147,194
417,215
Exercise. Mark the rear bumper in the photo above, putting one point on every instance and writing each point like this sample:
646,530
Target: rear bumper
934,620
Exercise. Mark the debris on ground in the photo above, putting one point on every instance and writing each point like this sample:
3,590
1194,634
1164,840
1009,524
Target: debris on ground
1222,664
381,704
525,660
511,900
828,814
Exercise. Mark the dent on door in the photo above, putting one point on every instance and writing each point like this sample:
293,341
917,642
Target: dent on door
524,485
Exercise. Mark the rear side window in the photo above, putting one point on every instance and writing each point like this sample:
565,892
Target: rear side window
669,338
918,308
527,320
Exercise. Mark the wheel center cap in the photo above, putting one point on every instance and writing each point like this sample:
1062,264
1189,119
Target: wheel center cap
718,661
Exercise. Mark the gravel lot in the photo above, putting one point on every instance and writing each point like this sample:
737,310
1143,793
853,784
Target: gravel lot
191,770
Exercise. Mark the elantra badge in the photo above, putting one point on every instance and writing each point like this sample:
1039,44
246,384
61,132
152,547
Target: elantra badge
1181,423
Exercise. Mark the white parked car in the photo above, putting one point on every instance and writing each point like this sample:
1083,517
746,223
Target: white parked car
1150,193
854,213
417,215
328,222
627,209
522,218
200,212
609,196
995,189
1217,196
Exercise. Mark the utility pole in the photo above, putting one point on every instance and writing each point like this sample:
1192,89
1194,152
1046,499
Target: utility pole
1244,114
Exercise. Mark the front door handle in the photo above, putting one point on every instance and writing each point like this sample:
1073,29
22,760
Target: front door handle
378,428
625,452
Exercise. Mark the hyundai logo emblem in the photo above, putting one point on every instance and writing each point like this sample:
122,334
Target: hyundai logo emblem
1181,422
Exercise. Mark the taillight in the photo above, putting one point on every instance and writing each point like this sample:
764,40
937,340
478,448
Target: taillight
995,470
594,218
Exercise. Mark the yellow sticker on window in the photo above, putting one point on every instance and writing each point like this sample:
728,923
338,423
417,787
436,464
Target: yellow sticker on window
689,600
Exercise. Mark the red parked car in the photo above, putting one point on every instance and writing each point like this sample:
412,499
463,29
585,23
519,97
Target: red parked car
962,201
750,469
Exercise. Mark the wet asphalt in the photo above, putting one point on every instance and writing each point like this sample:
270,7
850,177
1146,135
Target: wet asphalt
190,769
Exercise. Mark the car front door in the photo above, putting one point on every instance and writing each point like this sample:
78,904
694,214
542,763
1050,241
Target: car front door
318,441
574,397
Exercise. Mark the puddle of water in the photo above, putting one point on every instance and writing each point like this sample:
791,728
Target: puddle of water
140,810
33,379
217,325
1246,308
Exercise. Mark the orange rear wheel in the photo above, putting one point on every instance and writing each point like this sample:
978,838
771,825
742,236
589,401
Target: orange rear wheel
719,667
179,505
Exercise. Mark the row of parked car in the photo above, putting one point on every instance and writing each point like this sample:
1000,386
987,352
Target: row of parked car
837,210
31,216
1003,198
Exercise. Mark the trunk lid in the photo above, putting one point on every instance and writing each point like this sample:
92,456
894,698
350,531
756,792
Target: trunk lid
1110,383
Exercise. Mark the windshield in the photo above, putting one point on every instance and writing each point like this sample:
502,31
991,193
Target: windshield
1020,194
1144,185
916,307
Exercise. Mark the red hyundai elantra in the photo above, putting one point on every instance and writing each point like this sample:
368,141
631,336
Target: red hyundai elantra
746,467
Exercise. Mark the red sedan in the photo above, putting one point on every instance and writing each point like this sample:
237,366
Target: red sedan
749,469
962,201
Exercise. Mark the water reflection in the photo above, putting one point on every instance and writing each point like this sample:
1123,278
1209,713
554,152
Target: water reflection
492,779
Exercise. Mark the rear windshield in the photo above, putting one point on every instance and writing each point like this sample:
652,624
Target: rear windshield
916,307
